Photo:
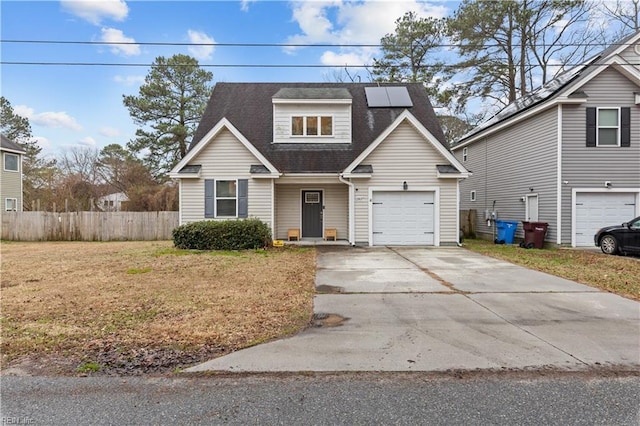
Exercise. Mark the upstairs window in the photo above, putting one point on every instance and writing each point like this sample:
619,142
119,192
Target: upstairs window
10,162
608,127
311,126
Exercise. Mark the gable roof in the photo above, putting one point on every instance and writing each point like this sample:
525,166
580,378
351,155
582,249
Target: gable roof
8,145
564,84
248,107
407,116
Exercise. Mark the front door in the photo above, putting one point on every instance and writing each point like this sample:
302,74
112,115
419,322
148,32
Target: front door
312,214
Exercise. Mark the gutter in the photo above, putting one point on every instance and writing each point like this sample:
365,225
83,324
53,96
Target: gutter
351,208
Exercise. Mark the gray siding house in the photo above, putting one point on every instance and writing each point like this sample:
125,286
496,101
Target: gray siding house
11,175
568,154
364,162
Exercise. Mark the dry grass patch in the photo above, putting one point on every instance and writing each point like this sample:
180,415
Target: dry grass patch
119,303
616,274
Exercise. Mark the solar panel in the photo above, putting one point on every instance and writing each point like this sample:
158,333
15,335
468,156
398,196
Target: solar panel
399,97
376,97
382,97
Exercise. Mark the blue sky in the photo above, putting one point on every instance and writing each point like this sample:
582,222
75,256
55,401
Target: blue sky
72,106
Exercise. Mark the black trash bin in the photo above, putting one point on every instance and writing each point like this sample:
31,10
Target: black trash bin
534,233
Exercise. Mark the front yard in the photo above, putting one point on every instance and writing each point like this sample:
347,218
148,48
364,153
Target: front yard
145,307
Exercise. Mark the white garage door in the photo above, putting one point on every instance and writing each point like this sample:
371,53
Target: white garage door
595,210
403,218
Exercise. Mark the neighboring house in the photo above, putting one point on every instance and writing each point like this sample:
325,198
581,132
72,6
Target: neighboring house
363,160
11,175
568,154
112,202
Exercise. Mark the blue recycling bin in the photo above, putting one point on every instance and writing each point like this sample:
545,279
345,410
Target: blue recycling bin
506,231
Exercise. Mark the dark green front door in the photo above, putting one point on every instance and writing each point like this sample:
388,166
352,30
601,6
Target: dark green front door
312,214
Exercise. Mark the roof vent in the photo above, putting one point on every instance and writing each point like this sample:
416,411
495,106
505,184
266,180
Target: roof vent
385,97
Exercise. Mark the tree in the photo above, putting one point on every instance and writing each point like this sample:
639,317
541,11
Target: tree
624,12
508,47
410,55
169,106
112,165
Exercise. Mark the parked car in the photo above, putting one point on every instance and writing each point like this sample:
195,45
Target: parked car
622,239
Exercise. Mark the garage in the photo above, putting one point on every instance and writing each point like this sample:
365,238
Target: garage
403,218
595,210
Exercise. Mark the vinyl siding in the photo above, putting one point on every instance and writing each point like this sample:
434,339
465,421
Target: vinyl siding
506,164
224,158
289,205
585,167
341,122
10,183
406,156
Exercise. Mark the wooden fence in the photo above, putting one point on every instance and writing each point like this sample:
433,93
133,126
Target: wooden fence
88,226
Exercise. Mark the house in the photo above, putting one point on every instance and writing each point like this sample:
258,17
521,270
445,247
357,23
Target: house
11,175
568,154
112,202
364,161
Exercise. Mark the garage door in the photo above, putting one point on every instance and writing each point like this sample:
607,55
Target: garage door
595,210
403,218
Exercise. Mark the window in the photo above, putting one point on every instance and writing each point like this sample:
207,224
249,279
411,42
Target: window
225,198
464,154
11,204
10,162
311,126
608,127
472,195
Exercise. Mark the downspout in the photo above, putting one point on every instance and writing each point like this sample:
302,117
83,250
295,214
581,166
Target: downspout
351,209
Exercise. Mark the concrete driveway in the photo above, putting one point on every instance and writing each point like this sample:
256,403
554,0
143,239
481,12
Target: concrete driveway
435,309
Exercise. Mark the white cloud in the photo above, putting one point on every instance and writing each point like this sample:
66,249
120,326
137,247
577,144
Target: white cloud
244,5
110,132
43,142
114,37
350,22
353,57
48,119
87,141
95,11
200,52
129,80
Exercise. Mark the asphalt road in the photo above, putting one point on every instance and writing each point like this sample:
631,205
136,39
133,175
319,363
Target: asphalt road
353,399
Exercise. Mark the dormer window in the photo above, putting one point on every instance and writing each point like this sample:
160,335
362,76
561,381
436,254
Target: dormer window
311,126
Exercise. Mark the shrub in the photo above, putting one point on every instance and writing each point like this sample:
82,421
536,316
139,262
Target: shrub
222,235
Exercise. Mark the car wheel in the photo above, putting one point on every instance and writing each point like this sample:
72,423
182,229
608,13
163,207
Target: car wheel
609,245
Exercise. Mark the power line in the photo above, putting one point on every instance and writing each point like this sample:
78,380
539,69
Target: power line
123,64
281,45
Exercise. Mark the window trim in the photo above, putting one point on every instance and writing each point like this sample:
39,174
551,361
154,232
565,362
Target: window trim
4,162
15,203
319,117
473,196
216,198
617,127
465,154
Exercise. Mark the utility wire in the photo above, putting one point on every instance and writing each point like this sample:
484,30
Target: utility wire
216,44
122,64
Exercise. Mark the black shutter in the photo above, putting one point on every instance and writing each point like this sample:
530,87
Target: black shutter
243,198
625,126
591,127
209,200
